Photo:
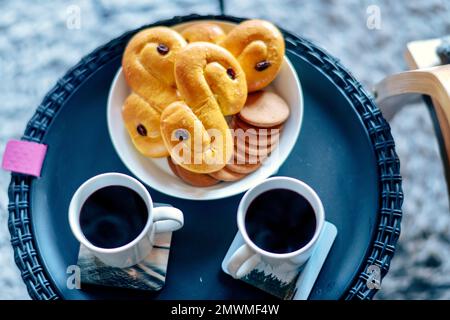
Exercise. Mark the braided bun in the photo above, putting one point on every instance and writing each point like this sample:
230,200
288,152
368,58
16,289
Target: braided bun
203,31
148,67
212,84
259,47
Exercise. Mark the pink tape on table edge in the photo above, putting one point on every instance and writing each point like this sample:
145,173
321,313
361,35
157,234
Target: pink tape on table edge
24,157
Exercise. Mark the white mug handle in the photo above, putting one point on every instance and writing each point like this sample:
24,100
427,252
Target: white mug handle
242,262
167,219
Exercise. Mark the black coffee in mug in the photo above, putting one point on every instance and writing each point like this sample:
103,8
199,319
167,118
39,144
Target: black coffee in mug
280,221
113,216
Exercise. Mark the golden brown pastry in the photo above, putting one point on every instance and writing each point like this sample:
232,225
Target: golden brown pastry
148,67
173,167
142,123
203,31
259,47
212,84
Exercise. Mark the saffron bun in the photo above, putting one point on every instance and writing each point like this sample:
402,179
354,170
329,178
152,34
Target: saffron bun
142,124
259,47
203,31
205,71
173,167
212,85
148,67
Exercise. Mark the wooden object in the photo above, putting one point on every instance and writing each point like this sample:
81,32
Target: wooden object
426,77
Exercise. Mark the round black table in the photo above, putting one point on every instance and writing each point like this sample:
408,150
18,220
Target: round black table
345,152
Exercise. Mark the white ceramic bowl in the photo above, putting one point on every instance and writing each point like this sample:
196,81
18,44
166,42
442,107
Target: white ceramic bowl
156,172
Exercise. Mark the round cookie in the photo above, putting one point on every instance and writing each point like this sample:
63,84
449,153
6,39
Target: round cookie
264,109
192,178
240,157
238,123
257,141
243,168
254,141
254,151
226,175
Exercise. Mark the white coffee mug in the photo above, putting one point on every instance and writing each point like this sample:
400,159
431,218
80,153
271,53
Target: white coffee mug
246,257
159,219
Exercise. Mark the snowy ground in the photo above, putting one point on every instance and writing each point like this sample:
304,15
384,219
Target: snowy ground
37,47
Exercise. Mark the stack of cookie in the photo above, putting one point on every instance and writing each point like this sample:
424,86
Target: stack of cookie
256,130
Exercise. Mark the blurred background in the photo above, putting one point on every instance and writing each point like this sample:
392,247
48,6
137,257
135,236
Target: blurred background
40,40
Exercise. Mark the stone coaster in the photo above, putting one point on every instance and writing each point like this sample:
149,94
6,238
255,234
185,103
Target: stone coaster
296,285
150,274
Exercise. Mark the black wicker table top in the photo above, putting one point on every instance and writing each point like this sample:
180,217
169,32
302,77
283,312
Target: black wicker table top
36,243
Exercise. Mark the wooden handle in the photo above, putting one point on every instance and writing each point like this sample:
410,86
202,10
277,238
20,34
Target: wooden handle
434,82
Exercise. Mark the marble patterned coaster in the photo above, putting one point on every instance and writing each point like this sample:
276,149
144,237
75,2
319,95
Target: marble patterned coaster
295,285
149,275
